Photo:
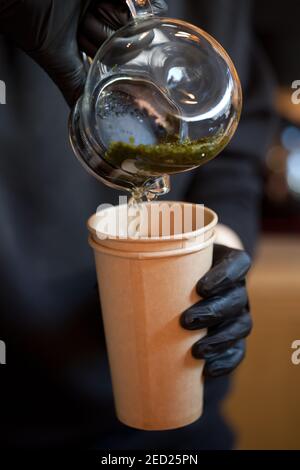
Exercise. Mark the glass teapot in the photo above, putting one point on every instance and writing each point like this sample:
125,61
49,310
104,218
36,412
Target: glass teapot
161,97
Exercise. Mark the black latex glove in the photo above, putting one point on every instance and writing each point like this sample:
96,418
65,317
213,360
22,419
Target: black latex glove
224,310
53,32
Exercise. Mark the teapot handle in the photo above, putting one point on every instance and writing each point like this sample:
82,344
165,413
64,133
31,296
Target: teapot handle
140,8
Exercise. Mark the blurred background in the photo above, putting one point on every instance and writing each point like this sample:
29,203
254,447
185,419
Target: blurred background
264,406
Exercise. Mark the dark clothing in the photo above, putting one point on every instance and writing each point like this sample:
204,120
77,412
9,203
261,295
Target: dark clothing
277,26
57,390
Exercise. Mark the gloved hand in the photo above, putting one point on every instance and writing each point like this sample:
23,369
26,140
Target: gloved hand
53,32
224,310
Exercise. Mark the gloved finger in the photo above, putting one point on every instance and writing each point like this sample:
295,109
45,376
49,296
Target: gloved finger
223,336
211,311
226,362
113,13
73,85
69,74
122,49
95,31
101,20
230,266
86,46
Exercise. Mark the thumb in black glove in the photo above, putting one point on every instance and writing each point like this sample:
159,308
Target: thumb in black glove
224,311
53,32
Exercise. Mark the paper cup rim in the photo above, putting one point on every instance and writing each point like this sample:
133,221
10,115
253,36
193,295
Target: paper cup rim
179,236
143,255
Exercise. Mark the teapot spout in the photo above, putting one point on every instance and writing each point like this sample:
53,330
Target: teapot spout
157,186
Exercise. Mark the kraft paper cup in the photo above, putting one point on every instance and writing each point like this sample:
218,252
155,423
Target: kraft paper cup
145,284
